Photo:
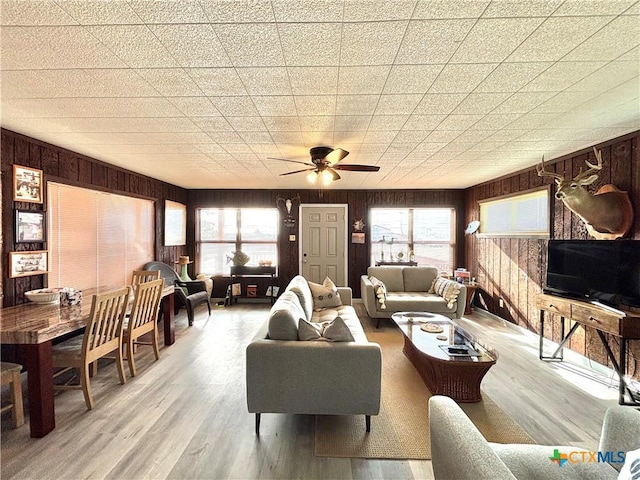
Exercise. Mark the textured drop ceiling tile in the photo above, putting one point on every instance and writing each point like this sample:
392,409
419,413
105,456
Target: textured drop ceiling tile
495,121
287,138
561,75
135,45
98,107
432,41
223,138
461,78
458,122
225,11
251,44
256,137
120,82
281,124
387,122
434,9
423,122
323,123
523,102
397,104
308,105
185,11
480,102
192,45
362,80
265,80
33,12
593,7
380,136
493,40
612,75
318,138
374,10
99,12
411,78
316,11
352,123
556,37
522,8
440,103
313,80
212,124
195,106
564,102
247,124
511,77
310,44
410,138
218,81
610,42
442,136
356,104
362,43
275,106
235,106
170,82
531,120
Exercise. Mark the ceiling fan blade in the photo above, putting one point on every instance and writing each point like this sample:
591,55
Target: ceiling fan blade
334,174
336,155
357,168
292,161
298,171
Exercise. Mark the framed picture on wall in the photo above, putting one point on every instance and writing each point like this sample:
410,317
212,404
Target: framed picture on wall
23,264
175,223
27,184
30,226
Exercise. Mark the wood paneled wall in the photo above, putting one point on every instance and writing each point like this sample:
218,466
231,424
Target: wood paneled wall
513,269
359,202
63,166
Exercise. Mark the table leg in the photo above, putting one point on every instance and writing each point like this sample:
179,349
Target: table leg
167,319
38,361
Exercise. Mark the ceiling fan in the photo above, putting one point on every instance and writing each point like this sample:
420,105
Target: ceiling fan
324,163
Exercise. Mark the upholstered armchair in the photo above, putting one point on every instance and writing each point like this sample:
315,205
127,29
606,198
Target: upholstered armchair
188,294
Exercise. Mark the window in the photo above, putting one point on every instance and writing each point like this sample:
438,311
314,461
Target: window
97,238
222,231
428,233
521,215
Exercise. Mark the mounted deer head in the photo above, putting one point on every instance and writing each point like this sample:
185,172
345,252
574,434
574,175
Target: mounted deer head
607,214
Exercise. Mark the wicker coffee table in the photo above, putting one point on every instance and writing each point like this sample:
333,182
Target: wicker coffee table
449,360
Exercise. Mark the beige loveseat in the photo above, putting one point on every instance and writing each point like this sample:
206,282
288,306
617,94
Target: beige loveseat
389,289
317,377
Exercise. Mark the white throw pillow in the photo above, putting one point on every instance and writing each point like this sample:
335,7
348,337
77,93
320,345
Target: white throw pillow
447,289
631,468
325,295
333,331
380,290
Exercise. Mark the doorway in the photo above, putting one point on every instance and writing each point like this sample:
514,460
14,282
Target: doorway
323,243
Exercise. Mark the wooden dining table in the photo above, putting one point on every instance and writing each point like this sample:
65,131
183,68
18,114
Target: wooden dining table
34,327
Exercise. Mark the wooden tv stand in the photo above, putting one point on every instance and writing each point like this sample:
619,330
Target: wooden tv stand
606,320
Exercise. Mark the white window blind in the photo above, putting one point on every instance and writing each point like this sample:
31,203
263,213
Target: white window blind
96,238
519,215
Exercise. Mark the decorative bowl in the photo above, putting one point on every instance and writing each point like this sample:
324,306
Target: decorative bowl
44,295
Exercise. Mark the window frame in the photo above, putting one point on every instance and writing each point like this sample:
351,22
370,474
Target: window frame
238,242
511,201
411,241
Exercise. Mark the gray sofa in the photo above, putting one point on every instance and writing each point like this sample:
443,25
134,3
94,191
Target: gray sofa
459,451
287,375
408,290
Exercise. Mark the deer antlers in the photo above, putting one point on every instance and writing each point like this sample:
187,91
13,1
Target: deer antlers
543,173
581,175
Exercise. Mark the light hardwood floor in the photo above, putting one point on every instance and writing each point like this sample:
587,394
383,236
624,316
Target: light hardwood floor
186,416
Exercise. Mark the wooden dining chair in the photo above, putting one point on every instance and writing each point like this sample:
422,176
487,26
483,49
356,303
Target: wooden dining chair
103,336
10,375
143,276
142,320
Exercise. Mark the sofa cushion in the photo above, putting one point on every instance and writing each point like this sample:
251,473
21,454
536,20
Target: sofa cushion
284,317
391,276
333,331
447,289
418,279
325,295
300,287
417,302
380,290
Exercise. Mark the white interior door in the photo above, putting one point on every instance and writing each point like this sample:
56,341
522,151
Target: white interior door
323,243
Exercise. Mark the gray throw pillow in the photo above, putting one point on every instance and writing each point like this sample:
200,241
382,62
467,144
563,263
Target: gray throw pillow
325,295
333,331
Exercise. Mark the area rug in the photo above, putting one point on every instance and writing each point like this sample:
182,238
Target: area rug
401,430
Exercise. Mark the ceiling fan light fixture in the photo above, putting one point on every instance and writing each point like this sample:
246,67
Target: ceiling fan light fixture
312,177
327,177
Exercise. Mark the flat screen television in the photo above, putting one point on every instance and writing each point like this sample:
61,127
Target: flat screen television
606,271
